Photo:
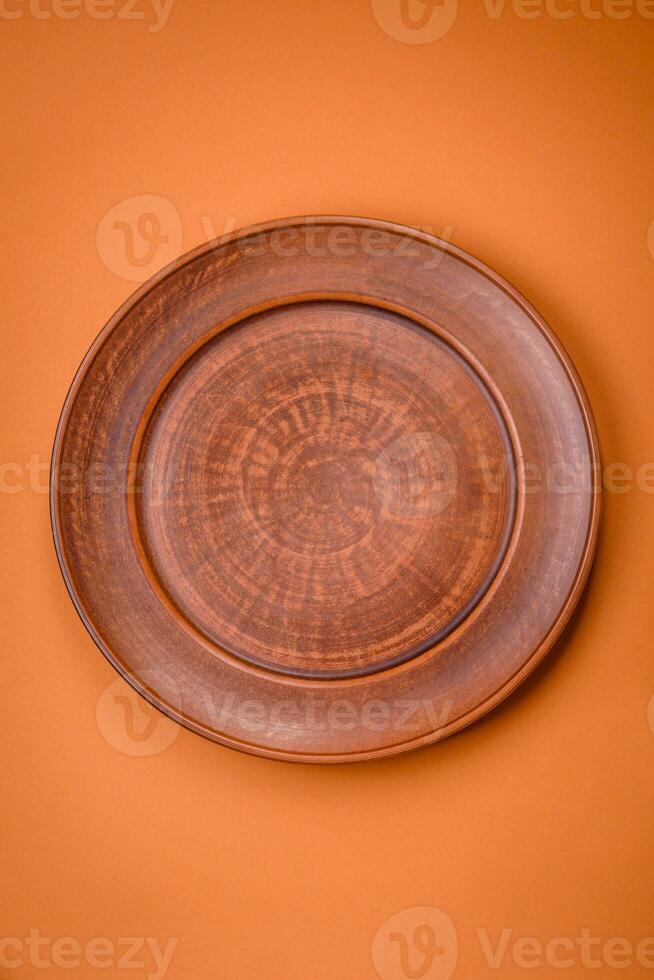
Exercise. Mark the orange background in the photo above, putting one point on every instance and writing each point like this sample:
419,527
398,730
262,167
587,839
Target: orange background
532,141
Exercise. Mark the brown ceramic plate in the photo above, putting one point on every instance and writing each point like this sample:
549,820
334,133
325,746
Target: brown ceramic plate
325,490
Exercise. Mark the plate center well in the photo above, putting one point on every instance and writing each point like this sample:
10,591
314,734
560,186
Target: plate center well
327,489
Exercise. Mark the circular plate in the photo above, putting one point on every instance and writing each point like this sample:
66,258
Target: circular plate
325,490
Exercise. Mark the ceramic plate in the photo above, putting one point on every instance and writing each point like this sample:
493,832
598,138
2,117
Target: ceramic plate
325,490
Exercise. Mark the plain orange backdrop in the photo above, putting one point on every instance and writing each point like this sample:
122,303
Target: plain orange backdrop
528,142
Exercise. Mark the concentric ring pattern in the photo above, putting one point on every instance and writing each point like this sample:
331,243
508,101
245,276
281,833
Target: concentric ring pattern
327,489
